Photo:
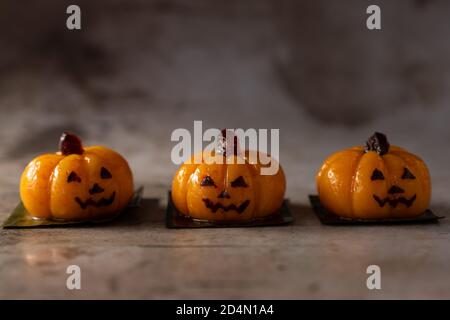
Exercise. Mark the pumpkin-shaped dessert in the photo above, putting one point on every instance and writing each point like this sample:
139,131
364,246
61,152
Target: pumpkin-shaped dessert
230,190
76,183
374,182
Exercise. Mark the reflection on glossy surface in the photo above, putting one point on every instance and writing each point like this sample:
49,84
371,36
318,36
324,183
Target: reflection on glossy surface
47,256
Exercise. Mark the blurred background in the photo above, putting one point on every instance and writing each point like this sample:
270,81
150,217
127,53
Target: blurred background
139,69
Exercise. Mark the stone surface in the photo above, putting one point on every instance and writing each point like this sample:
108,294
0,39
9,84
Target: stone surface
136,73
137,257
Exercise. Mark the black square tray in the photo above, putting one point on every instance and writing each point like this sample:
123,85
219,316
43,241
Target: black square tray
326,217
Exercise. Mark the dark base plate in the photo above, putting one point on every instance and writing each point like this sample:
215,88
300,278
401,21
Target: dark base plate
326,217
176,220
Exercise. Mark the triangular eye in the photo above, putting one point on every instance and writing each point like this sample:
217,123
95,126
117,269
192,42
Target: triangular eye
207,182
73,177
377,175
105,174
239,182
407,174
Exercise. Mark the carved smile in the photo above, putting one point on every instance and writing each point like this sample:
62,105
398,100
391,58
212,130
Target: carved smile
394,202
216,206
103,202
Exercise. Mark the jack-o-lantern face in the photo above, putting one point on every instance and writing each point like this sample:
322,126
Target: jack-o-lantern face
222,190
378,181
76,183
395,194
228,191
96,189
225,195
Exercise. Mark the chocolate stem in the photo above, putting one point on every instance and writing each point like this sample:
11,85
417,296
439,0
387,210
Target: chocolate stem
378,143
224,146
70,144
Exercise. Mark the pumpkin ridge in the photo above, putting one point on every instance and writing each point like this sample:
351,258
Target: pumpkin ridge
253,169
188,184
54,179
329,162
352,185
24,179
50,186
51,179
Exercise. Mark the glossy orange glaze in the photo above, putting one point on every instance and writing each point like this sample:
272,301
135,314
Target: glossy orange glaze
264,193
46,192
346,188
